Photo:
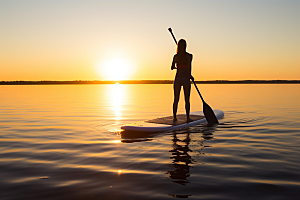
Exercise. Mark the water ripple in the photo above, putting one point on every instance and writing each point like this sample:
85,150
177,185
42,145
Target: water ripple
56,147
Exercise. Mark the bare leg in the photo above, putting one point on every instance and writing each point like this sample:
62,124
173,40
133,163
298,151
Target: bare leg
177,88
187,92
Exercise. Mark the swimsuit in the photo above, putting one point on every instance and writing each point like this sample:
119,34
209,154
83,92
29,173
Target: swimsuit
182,81
182,77
182,66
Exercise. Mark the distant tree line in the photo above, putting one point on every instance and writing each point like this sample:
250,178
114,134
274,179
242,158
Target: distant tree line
48,82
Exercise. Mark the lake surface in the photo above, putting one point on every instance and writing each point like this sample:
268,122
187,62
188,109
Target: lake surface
64,142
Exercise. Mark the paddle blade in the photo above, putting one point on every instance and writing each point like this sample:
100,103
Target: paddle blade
209,114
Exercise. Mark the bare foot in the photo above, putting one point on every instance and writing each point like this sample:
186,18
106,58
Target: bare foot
174,120
189,120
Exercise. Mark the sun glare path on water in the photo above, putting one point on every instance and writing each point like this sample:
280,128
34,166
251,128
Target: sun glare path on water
116,102
115,69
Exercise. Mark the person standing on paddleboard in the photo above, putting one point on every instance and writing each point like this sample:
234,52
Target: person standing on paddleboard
182,61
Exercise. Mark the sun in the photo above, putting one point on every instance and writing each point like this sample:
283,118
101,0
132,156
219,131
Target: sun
115,69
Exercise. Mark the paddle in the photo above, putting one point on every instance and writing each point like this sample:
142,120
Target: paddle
208,112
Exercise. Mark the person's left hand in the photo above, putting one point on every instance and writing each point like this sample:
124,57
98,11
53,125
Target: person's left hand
192,78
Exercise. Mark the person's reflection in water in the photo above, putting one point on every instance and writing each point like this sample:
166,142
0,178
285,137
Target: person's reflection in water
181,159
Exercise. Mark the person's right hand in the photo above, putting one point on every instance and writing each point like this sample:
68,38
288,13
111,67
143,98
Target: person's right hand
192,78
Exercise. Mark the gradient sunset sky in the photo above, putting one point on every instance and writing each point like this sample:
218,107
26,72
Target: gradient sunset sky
105,40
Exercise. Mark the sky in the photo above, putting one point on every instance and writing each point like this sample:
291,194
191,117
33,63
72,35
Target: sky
115,40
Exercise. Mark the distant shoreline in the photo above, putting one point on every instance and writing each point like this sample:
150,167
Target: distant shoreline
148,82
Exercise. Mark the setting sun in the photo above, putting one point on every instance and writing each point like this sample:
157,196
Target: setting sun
115,69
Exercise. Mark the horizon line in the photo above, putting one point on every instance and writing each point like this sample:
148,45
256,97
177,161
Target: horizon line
45,82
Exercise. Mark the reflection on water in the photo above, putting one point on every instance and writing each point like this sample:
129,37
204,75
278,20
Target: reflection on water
116,96
55,143
180,158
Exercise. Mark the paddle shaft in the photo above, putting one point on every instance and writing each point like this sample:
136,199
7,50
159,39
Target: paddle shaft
198,91
172,35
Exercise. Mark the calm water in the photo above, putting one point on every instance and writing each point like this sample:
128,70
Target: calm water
64,142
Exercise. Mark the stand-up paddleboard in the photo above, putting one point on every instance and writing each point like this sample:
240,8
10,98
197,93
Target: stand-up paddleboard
166,123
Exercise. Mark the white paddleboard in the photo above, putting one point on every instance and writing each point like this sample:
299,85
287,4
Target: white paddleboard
160,127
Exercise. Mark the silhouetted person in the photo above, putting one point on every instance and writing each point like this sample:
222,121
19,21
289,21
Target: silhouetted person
182,61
